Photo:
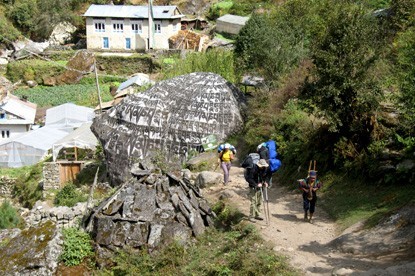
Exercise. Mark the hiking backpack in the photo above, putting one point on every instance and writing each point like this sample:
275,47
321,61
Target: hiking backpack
222,147
250,160
274,163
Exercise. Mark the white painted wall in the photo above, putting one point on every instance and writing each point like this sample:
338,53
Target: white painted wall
117,40
14,130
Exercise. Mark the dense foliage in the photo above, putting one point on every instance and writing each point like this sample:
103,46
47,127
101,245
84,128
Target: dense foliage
330,66
77,246
27,188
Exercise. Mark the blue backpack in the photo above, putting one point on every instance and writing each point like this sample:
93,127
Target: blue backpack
274,163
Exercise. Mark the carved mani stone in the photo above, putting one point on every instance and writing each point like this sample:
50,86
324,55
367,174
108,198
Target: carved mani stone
138,215
172,116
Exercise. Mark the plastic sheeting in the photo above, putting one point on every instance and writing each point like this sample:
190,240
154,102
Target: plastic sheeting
68,116
30,148
82,137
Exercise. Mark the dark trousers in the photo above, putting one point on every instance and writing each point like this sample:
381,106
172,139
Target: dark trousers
309,204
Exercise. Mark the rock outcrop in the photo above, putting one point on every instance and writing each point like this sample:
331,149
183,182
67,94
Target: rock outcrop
149,211
33,251
171,117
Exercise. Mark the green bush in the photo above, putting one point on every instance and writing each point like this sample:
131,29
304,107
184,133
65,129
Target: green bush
218,9
32,69
27,189
8,216
69,196
76,246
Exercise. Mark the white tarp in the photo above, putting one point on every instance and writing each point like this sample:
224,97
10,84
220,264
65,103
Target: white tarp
82,137
29,148
68,116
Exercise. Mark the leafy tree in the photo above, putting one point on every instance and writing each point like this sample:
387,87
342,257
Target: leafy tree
269,47
341,86
402,14
405,47
23,14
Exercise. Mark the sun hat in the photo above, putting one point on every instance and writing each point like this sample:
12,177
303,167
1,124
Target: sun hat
262,163
313,174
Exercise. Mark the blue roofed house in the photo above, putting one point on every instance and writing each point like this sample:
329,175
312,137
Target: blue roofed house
122,27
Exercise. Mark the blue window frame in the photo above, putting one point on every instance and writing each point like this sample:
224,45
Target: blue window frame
128,43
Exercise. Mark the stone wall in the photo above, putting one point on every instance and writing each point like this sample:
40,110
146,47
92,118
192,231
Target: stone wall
51,176
6,186
63,216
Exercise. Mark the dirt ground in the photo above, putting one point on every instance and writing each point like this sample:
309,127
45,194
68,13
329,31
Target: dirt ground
305,244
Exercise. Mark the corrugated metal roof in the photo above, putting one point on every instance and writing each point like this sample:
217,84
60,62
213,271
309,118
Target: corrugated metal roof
234,19
138,12
24,110
140,79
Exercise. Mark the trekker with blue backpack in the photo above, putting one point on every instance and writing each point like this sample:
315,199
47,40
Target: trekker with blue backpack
257,178
268,151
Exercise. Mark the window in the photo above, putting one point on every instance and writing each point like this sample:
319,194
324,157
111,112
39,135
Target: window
2,115
157,27
117,26
99,26
137,27
5,133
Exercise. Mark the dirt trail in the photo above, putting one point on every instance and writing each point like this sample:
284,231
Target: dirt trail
306,244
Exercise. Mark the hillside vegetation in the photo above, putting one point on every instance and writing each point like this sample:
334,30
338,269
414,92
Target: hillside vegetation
339,89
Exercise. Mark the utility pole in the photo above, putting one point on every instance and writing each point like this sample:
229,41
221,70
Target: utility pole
97,83
150,24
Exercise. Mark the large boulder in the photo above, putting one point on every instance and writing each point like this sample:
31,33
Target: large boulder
171,117
81,64
62,33
34,251
150,211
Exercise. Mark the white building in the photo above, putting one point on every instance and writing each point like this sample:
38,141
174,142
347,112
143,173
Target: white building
230,24
119,27
16,116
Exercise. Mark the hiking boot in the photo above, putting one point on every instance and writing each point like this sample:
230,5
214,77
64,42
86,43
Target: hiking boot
259,218
305,216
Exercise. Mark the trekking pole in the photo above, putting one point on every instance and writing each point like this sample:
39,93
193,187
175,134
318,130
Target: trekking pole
265,209
266,198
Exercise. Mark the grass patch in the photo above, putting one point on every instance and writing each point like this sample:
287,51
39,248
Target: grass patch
349,200
15,172
80,94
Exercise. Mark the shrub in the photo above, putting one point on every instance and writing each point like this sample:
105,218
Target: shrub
33,69
69,196
8,216
27,189
76,246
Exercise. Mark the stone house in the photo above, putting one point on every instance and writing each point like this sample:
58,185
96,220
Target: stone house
16,116
126,28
